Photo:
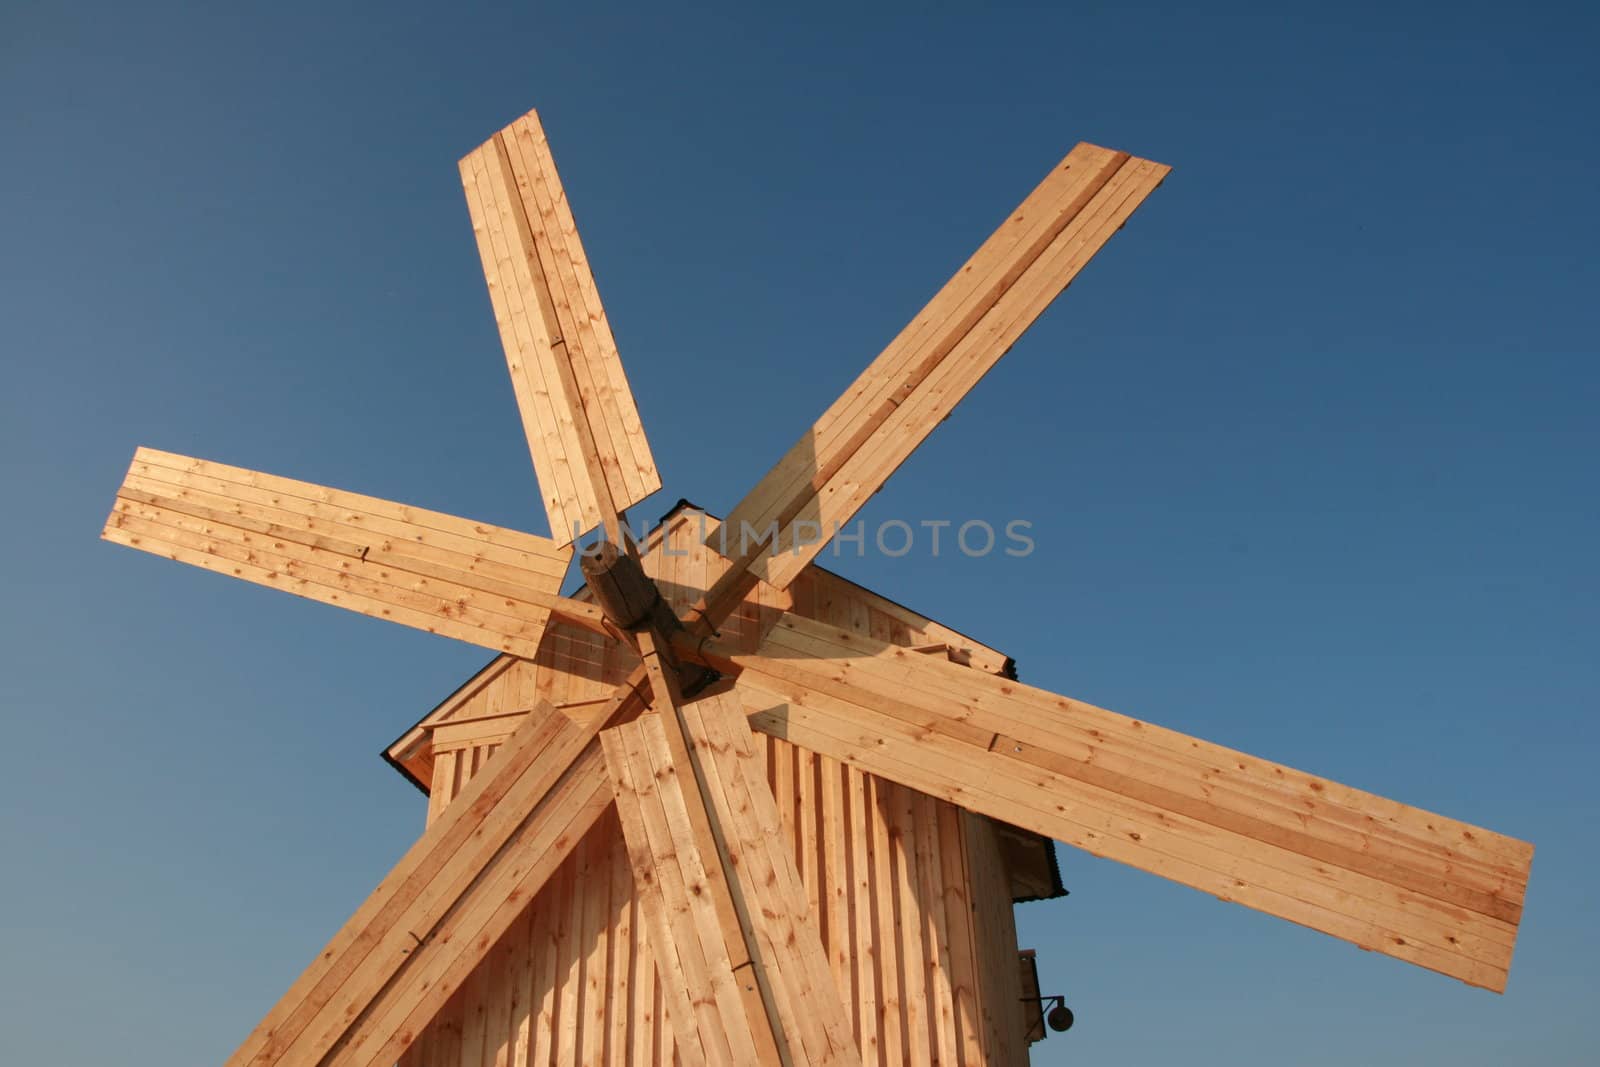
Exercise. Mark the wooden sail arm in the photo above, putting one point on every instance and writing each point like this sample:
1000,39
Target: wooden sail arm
1392,878
914,384
484,584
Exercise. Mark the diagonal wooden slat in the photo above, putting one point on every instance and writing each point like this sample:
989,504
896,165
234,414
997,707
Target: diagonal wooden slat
432,921
915,383
799,1007
803,995
487,585
578,412
1387,876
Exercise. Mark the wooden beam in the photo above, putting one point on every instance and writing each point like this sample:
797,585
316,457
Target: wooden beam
429,924
583,429
773,949
488,585
916,382
1389,877
706,839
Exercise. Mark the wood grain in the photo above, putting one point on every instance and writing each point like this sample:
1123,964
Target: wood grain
848,454
1387,876
582,424
474,582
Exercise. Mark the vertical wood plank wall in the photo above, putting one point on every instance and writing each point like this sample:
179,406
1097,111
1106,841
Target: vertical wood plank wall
911,895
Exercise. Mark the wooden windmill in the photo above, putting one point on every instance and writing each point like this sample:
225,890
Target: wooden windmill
722,806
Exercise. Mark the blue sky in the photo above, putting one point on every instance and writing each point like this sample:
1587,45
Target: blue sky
1309,451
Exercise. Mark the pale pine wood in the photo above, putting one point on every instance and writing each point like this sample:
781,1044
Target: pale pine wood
995,933
482,584
390,970
796,1016
646,1036
1420,887
432,862
667,866
1260,798
876,424
790,952
582,424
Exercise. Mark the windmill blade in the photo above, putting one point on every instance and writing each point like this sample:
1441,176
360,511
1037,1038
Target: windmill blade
1388,877
433,919
761,992
467,580
861,440
583,429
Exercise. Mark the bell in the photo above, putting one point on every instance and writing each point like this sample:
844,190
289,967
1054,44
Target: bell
1060,1018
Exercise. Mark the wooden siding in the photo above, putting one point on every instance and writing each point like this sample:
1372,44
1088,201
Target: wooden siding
911,897
906,889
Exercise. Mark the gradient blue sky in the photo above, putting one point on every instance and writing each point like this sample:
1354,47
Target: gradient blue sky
1309,450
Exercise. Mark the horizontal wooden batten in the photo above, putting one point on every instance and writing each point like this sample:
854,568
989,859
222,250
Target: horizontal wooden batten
1392,878
916,382
584,435
487,585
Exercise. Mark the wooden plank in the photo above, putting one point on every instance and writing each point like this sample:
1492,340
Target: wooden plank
624,416
392,967
620,1010
525,1005
885,908
547,416
596,975
700,1017
907,425
998,978
584,433
935,931
444,785
1423,851
968,325
549,945
326,576
1099,813
863,942
1135,812
835,880
221,558
404,1008
560,368
423,569
1227,867
908,926
710,850
573,321
957,882
453,734
431,861
782,948
386,516
468,567
789,956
